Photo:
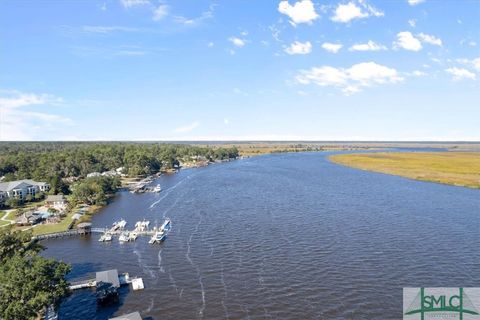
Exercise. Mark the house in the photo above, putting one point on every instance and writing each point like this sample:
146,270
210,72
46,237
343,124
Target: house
21,188
93,174
28,218
56,201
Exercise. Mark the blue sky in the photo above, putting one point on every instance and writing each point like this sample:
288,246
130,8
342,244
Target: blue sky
239,70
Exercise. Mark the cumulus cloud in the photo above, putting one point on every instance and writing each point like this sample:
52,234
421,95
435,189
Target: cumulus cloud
187,128
238,42
350,80
299,48
302,11
160,12
369,46
17,123
460,74
332,47
415,2
133,3
430,39
345,13
407,41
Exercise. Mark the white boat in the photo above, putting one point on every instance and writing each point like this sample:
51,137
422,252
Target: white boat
157,188
106,237
142,225
124,237
121,224
158,237
167,224
133,236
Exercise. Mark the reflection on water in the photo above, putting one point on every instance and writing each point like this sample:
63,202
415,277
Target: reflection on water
289,236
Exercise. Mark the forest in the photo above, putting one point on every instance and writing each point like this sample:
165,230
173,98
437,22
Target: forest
65,165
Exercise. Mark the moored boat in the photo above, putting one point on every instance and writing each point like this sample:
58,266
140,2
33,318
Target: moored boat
124,237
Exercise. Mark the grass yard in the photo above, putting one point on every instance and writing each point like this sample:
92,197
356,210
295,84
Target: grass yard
454,168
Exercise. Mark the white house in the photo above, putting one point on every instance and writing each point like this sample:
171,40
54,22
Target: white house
21,188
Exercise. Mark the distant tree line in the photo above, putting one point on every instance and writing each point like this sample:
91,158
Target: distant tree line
56,162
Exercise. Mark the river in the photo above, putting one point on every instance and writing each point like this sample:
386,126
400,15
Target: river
283,236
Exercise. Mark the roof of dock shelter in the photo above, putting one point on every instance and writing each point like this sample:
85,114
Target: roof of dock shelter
84,225
130,316
109,276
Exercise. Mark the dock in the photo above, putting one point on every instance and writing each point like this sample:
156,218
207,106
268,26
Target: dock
109,276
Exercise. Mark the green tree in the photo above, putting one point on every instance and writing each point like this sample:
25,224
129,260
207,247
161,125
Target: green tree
28,281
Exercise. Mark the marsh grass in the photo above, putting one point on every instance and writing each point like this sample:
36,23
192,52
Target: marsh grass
454,168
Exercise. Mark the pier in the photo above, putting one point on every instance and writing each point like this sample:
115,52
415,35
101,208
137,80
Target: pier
109,276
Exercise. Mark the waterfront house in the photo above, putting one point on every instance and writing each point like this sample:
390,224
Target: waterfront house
21,188
56,201
28,219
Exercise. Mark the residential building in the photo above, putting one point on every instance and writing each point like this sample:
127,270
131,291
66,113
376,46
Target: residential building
56,201
21,188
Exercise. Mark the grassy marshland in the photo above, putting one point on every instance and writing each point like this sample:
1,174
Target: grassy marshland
454,168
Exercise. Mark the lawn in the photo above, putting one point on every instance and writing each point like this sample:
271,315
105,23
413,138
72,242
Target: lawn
52,228
454,168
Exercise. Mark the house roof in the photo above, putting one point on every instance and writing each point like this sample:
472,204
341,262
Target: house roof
9,186
109,276
55,198
130,316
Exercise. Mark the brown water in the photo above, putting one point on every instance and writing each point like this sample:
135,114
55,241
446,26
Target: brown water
288,236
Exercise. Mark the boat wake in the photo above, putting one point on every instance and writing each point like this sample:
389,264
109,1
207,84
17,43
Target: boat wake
162,270
200,280
169,190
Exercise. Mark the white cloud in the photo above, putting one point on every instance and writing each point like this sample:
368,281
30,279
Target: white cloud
350,80
109,29
407,41
476,63
210,44
195,21
160,12
345,13
412,23
332,47
133,3
187,128
460,74
17,124
418,73
430,39
415,2
237,41
226,121
302,11
369,46
299,48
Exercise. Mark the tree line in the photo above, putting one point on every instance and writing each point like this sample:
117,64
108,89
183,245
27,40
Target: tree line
56,162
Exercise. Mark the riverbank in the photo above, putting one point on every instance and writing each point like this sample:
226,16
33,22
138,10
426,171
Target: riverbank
452,168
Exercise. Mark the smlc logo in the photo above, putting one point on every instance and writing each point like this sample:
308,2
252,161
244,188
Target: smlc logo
441,303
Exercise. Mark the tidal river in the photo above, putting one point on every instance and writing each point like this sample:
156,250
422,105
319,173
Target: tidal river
287,236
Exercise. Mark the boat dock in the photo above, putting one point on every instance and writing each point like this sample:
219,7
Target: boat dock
109,276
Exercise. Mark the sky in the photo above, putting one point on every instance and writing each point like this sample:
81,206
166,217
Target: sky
240,70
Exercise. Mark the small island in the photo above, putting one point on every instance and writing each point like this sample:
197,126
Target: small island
453,168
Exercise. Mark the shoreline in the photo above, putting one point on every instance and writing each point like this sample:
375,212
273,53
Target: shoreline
128,183
459,169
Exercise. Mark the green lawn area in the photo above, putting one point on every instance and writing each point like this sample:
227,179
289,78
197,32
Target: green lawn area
51,228
454,168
